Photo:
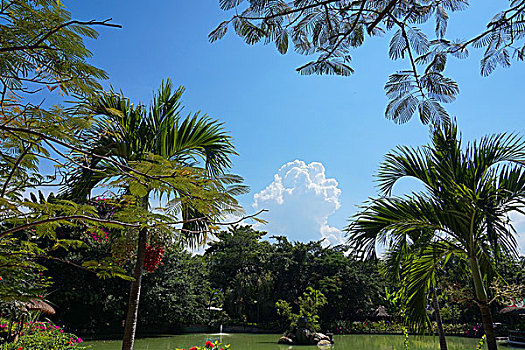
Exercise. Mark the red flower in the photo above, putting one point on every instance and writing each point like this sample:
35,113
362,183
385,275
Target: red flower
209,344
193,348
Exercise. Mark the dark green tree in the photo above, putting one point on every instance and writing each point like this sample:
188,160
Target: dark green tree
238,265
254,274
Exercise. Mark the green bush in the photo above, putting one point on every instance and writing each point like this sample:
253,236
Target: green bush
45,336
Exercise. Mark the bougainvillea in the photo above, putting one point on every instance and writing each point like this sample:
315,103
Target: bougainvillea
101,237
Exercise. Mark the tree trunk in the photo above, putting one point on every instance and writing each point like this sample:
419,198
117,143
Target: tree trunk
134,294
441,331
482,299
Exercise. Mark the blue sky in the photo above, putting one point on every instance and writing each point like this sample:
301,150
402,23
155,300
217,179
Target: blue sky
277,116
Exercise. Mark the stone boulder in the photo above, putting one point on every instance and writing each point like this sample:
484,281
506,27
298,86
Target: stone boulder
320,336
324,343
285,340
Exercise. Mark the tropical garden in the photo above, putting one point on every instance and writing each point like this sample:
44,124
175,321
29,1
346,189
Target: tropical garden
121,218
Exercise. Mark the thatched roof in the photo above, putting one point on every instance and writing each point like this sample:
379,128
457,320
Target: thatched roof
380,312
512,311
39,305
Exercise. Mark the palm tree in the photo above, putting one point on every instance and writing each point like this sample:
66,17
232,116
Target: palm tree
468,195
126,134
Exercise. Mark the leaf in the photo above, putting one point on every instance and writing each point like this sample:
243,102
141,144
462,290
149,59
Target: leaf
402,109
248,31
281,42
259,220
326,67
431,111
440,87
397,45
399,84
219,32
229,4
441,21
138,189
438,63
418,40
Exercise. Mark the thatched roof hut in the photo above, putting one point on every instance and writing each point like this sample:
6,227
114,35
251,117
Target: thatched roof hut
38,305
380,312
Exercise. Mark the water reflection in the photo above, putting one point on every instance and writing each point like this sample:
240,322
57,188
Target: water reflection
269,342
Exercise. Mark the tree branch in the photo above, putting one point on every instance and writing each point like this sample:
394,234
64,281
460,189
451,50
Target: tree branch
382,15
13,170
39,42
67,218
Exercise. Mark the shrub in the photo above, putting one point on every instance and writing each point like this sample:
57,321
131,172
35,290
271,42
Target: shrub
45,336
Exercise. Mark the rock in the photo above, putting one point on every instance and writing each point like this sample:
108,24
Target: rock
324,343
285,340
320,336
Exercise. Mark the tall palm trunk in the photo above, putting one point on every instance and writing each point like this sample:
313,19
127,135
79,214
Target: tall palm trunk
483,304
437,311
130,326
134,293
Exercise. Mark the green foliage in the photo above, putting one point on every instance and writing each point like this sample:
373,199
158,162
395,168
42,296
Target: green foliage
406,340
157,150
177,294
42,44
42,51
180,293
309,305
333,29
241,273
479,346
21,278
45,336
254,274
461,215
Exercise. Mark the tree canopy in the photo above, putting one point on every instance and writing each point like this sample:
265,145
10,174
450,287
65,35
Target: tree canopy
331,30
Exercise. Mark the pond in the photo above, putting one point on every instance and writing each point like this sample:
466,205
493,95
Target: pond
268,342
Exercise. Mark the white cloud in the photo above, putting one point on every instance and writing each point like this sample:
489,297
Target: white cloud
300,200
518,221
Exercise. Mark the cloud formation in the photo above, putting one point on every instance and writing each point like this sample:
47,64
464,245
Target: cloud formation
518,221
300,200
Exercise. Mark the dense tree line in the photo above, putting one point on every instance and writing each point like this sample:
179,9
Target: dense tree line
244,272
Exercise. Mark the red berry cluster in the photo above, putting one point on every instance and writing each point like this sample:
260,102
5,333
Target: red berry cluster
153,257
